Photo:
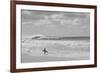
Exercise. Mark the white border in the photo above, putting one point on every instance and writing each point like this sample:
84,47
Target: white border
51,64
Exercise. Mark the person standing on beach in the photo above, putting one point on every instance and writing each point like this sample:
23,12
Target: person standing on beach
45,51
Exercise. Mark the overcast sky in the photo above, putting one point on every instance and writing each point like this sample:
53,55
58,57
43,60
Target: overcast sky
52,23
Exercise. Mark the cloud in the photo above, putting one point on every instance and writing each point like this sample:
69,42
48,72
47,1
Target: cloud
65,19
76,21
25,23
57,17
43,22
52,19
26,12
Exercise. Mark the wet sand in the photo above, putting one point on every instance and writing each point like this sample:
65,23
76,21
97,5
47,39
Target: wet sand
57,51
29,59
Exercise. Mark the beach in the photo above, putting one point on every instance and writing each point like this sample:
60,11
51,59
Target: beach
58,50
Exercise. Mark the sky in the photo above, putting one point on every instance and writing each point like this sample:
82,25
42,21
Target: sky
55,23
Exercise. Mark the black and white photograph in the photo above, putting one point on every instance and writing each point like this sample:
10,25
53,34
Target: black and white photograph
54,36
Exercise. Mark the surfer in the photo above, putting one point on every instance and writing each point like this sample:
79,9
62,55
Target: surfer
45,50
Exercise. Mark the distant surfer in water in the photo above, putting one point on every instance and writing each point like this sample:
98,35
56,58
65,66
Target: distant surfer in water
45,51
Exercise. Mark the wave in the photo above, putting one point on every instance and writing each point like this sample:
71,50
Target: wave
43,37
